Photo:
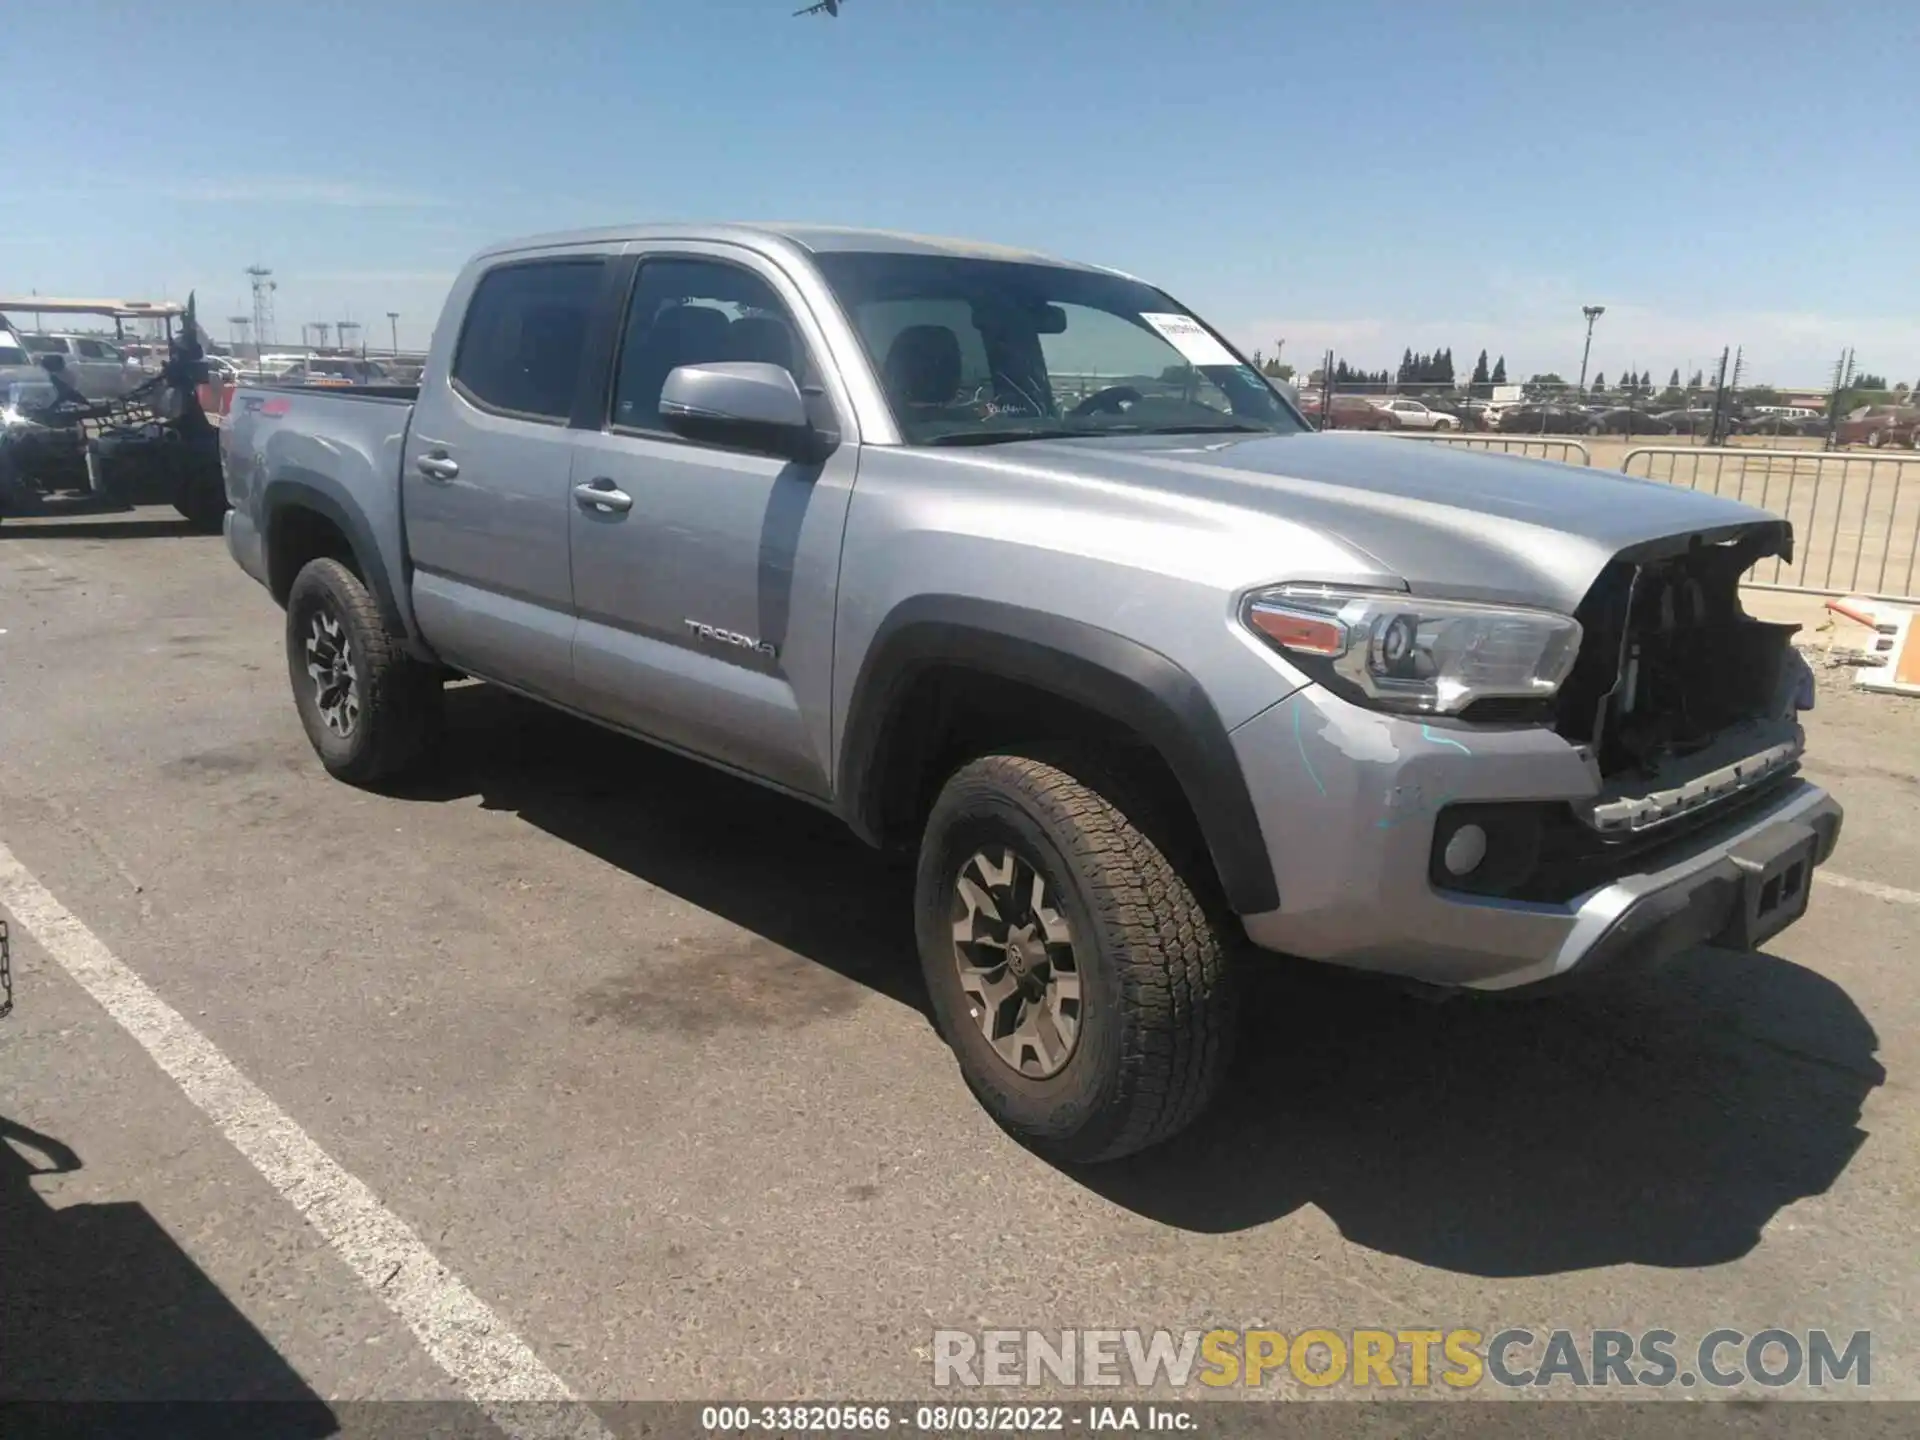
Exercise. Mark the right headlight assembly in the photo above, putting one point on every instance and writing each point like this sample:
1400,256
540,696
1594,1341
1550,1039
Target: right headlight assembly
1395,651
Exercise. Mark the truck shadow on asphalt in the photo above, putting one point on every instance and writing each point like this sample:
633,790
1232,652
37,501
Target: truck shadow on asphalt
791,874
99,1305
1664,1123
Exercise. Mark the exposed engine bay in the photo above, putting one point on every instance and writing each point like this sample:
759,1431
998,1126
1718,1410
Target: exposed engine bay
1681,697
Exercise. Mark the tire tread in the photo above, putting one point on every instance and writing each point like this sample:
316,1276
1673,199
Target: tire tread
1174,968
399,704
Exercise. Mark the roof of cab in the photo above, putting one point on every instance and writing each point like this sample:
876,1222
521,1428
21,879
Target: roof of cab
815,238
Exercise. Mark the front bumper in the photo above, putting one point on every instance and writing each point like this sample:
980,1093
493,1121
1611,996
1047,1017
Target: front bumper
1347,800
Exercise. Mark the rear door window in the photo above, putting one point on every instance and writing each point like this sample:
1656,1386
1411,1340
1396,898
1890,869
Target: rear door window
525,336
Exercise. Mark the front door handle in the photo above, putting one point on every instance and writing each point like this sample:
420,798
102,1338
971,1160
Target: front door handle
603,495
437,467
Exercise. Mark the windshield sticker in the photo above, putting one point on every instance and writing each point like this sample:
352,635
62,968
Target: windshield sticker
1191,339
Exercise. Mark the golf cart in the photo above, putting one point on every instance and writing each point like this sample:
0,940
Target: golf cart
152,444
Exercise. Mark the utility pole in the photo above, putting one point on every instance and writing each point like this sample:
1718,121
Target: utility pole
1593,313
1842,378
393,320
1717,427
263,283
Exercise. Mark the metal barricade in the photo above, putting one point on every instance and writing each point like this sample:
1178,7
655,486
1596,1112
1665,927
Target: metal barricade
1855,515
1570,452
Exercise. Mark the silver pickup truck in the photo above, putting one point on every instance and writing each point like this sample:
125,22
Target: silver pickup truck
1019,564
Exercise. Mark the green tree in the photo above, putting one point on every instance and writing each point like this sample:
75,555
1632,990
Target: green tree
1500,371
1480,375
1599,382
1673,380
1279,370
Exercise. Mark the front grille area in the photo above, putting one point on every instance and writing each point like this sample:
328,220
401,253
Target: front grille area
1541,851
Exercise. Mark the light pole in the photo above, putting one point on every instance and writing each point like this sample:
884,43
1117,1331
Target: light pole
1593,313
393,320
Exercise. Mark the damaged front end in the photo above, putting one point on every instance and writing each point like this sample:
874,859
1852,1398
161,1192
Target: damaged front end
1685,709
1682,699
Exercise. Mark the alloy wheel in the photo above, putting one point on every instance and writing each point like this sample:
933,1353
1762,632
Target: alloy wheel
1014,952
336,690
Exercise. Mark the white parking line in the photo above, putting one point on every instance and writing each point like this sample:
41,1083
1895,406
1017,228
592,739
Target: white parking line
1868,887
471,1343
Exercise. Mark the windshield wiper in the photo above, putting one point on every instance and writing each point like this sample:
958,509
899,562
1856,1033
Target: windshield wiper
1215,429
1001,437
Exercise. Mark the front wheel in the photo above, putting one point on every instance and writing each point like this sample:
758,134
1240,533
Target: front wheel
368,707
1873,440
1079,979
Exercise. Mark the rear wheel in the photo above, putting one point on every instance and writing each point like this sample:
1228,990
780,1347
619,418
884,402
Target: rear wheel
1079,979
368,707
1873,440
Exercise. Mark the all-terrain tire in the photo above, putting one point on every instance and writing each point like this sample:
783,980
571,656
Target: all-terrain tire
1156,1016
396,699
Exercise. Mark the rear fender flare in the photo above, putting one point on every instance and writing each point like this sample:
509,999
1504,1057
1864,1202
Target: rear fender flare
1108,673
284,494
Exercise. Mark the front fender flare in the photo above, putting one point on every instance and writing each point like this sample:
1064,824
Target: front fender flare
1108,673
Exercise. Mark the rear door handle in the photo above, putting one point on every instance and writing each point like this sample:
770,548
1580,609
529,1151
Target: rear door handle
603,495
437,467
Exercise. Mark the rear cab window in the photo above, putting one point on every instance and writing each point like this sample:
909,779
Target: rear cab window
525,336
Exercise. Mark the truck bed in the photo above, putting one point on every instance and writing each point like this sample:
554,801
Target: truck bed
334,449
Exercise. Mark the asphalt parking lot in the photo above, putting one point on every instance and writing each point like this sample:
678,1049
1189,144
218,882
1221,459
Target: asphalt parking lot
638,1054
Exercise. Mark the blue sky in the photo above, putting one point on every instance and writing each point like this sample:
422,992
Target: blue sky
1366,176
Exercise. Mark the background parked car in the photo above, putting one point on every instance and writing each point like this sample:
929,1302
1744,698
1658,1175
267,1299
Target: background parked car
1350,412
1412,415
1878,425
98,368
1625,420
1545,418
1781,424
332,370
1694,420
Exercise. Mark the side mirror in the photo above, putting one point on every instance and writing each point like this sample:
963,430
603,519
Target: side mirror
744,403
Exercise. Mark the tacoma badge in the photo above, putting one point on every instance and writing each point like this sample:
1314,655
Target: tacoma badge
732,637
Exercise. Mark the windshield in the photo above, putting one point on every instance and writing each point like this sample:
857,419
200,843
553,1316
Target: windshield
983,351
45,344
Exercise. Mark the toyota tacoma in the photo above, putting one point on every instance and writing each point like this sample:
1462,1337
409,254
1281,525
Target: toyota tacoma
1020,565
